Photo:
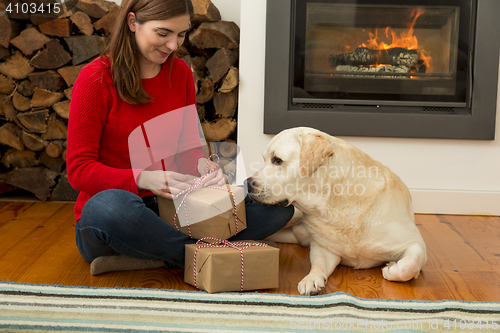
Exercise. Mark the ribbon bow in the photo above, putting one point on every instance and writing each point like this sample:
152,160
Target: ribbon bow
218,243
198,183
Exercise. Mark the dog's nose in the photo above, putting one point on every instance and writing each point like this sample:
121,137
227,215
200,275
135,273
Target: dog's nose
252,185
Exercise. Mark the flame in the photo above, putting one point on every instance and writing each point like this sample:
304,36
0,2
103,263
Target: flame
427,59
406,40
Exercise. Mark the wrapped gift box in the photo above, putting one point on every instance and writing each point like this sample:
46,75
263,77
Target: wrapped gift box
210,212
220,268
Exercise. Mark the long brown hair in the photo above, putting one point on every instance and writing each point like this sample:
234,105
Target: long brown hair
122,49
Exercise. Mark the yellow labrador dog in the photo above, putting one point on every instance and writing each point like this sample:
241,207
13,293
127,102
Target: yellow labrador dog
355,211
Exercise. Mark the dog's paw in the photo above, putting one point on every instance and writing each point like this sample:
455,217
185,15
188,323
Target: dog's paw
386,271
401,271
311,285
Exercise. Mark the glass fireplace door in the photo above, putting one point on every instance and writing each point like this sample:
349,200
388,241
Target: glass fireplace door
383,52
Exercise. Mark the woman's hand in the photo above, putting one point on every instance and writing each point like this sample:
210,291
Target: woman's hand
167,184
216,177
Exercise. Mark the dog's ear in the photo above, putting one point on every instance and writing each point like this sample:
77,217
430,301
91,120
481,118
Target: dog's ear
314,150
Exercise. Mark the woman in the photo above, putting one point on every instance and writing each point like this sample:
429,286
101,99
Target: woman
134,101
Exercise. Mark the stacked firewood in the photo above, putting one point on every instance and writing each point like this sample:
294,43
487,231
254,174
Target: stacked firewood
41,55
212,51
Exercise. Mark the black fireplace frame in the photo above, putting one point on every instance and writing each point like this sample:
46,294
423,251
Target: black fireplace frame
475,121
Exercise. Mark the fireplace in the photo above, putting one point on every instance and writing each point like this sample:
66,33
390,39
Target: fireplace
390,68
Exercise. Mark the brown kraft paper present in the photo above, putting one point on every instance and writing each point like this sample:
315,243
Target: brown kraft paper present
210,212
223,268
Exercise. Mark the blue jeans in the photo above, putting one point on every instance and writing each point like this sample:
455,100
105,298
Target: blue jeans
120,222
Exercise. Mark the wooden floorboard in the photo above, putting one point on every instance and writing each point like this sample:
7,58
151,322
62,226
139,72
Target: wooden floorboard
37,245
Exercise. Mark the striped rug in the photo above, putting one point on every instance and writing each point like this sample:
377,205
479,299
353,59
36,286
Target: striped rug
45,308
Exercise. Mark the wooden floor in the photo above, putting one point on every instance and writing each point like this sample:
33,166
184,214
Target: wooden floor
37,246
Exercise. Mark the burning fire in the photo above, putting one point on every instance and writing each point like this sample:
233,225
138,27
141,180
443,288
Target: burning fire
406,40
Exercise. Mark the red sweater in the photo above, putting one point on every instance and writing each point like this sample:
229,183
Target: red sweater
111,141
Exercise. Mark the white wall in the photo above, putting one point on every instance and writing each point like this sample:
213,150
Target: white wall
229,9
444,176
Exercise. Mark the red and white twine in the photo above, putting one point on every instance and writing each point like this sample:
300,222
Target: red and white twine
219,243
198,183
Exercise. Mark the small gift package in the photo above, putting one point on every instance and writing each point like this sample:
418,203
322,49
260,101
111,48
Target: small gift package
217,212
218,265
